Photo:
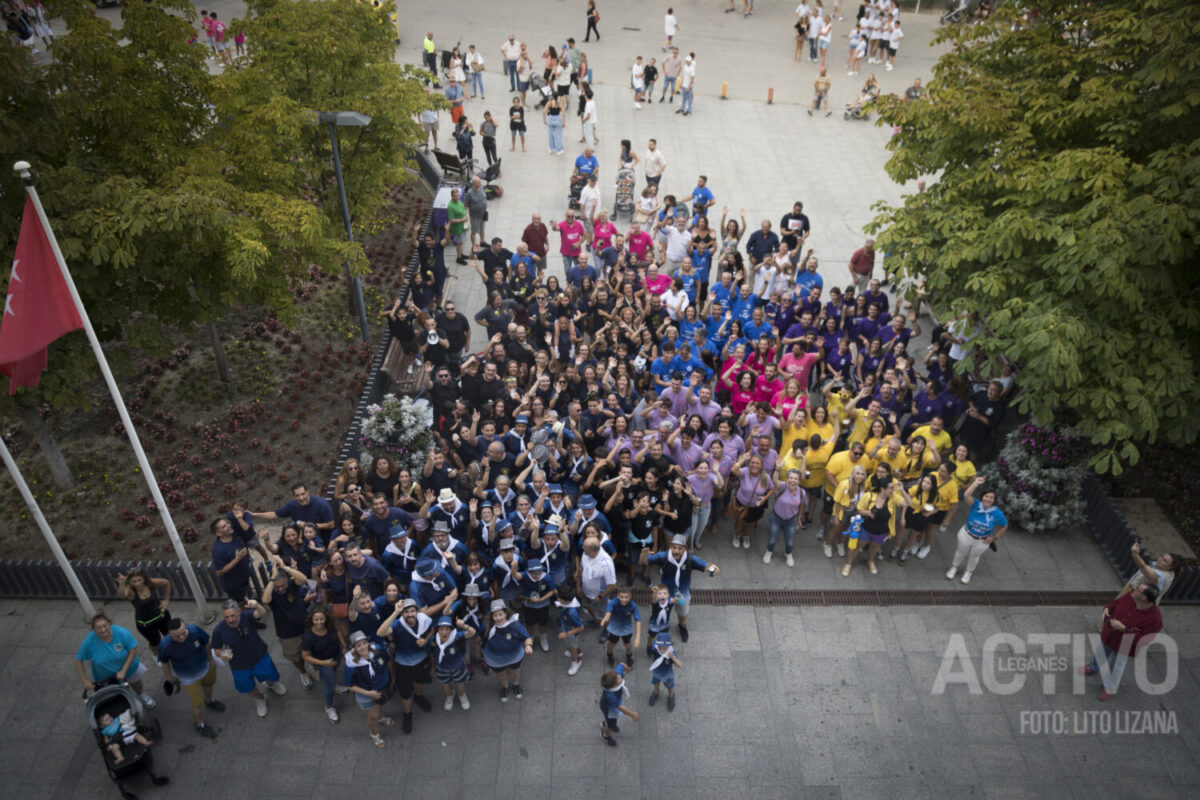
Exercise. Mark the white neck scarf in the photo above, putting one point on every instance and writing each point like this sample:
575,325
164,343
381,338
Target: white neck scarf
502,564
423,623
662,657
443,647
663,610
681,565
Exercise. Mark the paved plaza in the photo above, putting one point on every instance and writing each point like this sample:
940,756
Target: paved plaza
774,701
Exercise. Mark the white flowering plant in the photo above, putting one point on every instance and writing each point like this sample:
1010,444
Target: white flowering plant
1038,477
397,427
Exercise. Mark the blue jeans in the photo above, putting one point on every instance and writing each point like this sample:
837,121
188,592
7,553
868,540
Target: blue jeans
511,68
328,677
568,262
669,86
476,83
788,528
812,49
699,521
686,104
556,132
1116,663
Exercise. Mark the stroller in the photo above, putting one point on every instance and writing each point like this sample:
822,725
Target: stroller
957,12
576,189
538,84
623,200
116,699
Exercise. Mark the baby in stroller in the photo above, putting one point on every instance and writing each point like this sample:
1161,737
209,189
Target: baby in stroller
119,731
870,90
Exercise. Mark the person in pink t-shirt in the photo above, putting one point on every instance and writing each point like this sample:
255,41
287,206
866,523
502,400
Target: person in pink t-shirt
640,243
788,398
603,232
767,385
571,233
797,363
656,282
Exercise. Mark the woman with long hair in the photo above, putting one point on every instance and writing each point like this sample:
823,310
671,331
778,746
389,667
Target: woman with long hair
754,491
150,598
320,647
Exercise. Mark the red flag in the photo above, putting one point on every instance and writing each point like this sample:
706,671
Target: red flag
38,308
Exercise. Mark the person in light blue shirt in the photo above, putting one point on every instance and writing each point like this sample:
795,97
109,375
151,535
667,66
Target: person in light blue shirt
985,524
623,622
808,277
505,648
112,651
702,197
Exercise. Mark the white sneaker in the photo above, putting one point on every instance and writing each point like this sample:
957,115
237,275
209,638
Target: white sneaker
566,653
306,681
746,542
767,557
449,704
544,641
942,528
849,74
914,549
575,665
966,578
342,689
261,703
924,551
637,105
950,573
737,541
464,702
278,688
829,551
791,562
148,701
889,67
331,712
841,550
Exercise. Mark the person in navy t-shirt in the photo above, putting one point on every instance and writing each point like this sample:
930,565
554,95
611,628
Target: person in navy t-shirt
622,621
613,697
186,662
448,651
303,507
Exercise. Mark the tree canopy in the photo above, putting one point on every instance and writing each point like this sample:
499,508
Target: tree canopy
176,193
1063,210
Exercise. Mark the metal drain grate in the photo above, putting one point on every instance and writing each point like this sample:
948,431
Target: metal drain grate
887,597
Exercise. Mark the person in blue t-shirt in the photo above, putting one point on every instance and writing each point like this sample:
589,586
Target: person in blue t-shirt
622,621
742,305
367,678
432,587
381,519
702,197
112,651
303,507
230,560
586,164
570,625
505,648
235,641
186,661
662,669
448,650
985,524
614,695
677,567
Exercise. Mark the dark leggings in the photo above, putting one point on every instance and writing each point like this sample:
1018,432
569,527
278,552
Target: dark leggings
591,28
489,149
156,630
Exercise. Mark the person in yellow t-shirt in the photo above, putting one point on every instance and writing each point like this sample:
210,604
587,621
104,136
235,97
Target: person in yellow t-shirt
917,519
919,458
816,457
820,424
845,497
888,451
964,470
794,428
837,469
936,434
792,458
861,418
883,499
835,403
878,433
946,502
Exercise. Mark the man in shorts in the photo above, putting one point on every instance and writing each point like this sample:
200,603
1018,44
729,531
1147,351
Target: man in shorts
639,83
671,67
186,662
217,29
236,643
821,93
457,218
429,125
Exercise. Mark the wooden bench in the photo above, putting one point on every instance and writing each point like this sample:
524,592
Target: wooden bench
402,369
451,165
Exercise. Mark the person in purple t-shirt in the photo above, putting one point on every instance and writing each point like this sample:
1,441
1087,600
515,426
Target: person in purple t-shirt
755,488
788,503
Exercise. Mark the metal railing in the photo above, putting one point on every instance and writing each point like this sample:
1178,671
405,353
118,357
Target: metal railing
1115,536
45,579
377,380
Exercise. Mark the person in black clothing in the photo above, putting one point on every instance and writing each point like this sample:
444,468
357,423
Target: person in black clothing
432,261
481,385
443,391
794,228
985,412
432,342
287,596
593,16
496,257
458,333
519,348
400,326
496,315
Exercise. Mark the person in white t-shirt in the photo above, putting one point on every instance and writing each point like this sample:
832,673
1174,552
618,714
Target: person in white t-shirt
825,37
639,82
894,44
874,56
670,25
814,32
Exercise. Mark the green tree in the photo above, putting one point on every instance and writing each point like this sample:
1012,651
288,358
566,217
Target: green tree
1065,210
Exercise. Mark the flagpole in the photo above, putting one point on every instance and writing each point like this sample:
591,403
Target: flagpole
22,168
89,610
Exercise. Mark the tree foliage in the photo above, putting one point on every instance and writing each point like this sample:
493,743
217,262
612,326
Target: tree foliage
1065,209
176,193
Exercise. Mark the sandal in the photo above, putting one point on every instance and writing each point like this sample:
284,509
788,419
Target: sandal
377,738
389,722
